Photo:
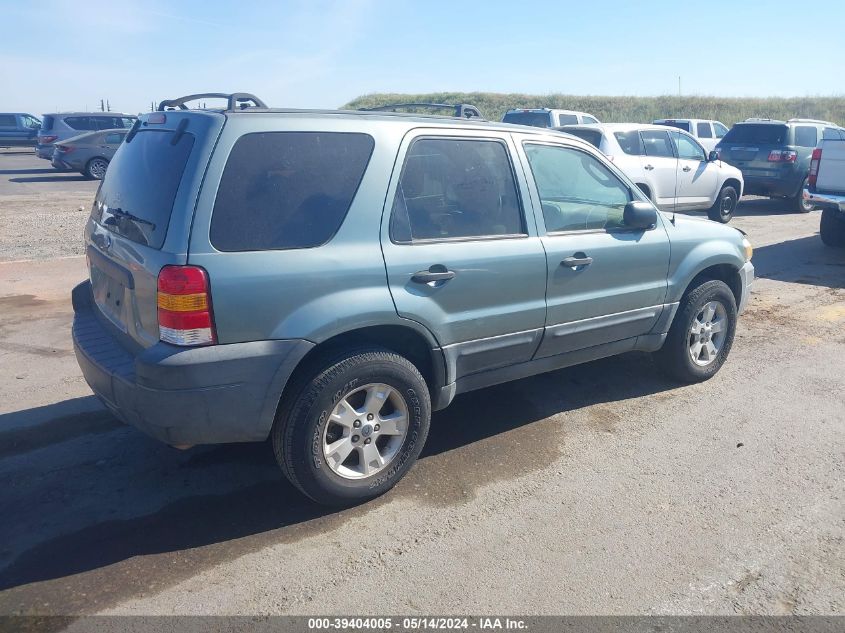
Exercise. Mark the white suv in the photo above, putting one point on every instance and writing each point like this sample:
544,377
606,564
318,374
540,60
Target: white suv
548,117
706,131
669,165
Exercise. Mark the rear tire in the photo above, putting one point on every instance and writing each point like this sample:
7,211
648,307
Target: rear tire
96,168
701,335
799,204
832,228
725,205
326,429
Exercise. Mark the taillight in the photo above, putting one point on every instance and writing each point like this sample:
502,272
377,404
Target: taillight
184,306
815,159
46,140
782,156
67,149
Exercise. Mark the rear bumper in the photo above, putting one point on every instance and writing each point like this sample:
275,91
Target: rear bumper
832,201
746,276
768,186
60,164
44,151
200,395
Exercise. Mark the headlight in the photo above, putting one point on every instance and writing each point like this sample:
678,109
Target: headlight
749,250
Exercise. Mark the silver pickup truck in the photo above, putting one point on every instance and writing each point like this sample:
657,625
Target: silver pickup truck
826,189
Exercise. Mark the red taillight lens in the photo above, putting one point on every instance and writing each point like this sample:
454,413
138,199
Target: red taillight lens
46,140
815,159
67,149
782,156
184,306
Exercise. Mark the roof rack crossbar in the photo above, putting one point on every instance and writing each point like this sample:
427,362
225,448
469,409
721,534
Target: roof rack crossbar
460,110
236,101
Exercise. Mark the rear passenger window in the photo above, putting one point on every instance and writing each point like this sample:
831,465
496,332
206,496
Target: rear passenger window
703,130
806,136
114,138
456,188
630,142
577,191
830,134
80,123
657,143
568,119
284,190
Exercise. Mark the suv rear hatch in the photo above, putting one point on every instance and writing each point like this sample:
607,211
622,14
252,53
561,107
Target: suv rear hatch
141,217
748,146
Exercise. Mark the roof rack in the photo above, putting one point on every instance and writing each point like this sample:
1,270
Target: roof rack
459,110
799,120
236,101
756,118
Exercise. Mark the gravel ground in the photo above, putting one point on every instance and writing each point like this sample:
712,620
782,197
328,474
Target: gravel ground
600,489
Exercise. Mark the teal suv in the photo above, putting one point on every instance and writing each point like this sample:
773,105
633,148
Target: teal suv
774,156
327,279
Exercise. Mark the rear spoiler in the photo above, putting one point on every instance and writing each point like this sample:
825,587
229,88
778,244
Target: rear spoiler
236,101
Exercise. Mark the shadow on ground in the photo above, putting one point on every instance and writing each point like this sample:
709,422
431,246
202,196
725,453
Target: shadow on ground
105,499
67,177
805,261
764,206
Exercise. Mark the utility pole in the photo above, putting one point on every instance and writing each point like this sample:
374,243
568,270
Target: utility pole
679,85
102,106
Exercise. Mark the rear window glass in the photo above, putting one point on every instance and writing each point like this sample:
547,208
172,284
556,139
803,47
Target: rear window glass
284,190
47,123
593,137
763,133
681,125
630,142
137,195
806,136
8,120
534,119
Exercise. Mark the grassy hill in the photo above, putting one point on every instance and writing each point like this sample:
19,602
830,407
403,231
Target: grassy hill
729,110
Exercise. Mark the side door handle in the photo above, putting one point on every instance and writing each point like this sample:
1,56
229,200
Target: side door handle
574,262
434,273
649,167
687,168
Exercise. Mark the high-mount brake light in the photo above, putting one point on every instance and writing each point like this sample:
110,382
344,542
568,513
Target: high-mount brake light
815,160
184,306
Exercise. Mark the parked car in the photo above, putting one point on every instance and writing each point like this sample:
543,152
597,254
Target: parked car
670,166
58,127
774,156
826,189
547,117
706,131
328,279
89,153
18,129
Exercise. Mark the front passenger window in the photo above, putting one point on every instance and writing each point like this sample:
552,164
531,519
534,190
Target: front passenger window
687,148
577,191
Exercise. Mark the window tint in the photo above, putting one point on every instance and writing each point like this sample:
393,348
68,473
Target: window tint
702,130
719,129
830,133
589,119
79,123
593,137
681,125
455,188
763,133
576,190
630,142
534,119
656,143
282,190
806,136
114,138
149,158
8,120
32,122
47,123
568,119
686,148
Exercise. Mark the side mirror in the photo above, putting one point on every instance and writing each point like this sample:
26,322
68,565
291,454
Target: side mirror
639,215
713,156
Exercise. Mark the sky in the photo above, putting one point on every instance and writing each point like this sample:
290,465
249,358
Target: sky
67,55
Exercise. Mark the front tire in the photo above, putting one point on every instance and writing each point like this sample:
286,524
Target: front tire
725,205
799,204
352,431
832,228
701,335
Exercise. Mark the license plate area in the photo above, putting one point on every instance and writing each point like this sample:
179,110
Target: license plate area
110,296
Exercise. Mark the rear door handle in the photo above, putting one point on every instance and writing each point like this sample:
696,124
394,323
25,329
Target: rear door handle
687,168
649,167
427,276
574,262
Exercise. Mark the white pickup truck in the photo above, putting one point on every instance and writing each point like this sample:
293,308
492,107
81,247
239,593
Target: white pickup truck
826,189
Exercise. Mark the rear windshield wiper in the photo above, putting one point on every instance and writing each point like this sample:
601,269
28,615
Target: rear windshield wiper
120,213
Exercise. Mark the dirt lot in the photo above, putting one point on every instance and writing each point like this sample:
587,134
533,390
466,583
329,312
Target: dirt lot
597,489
